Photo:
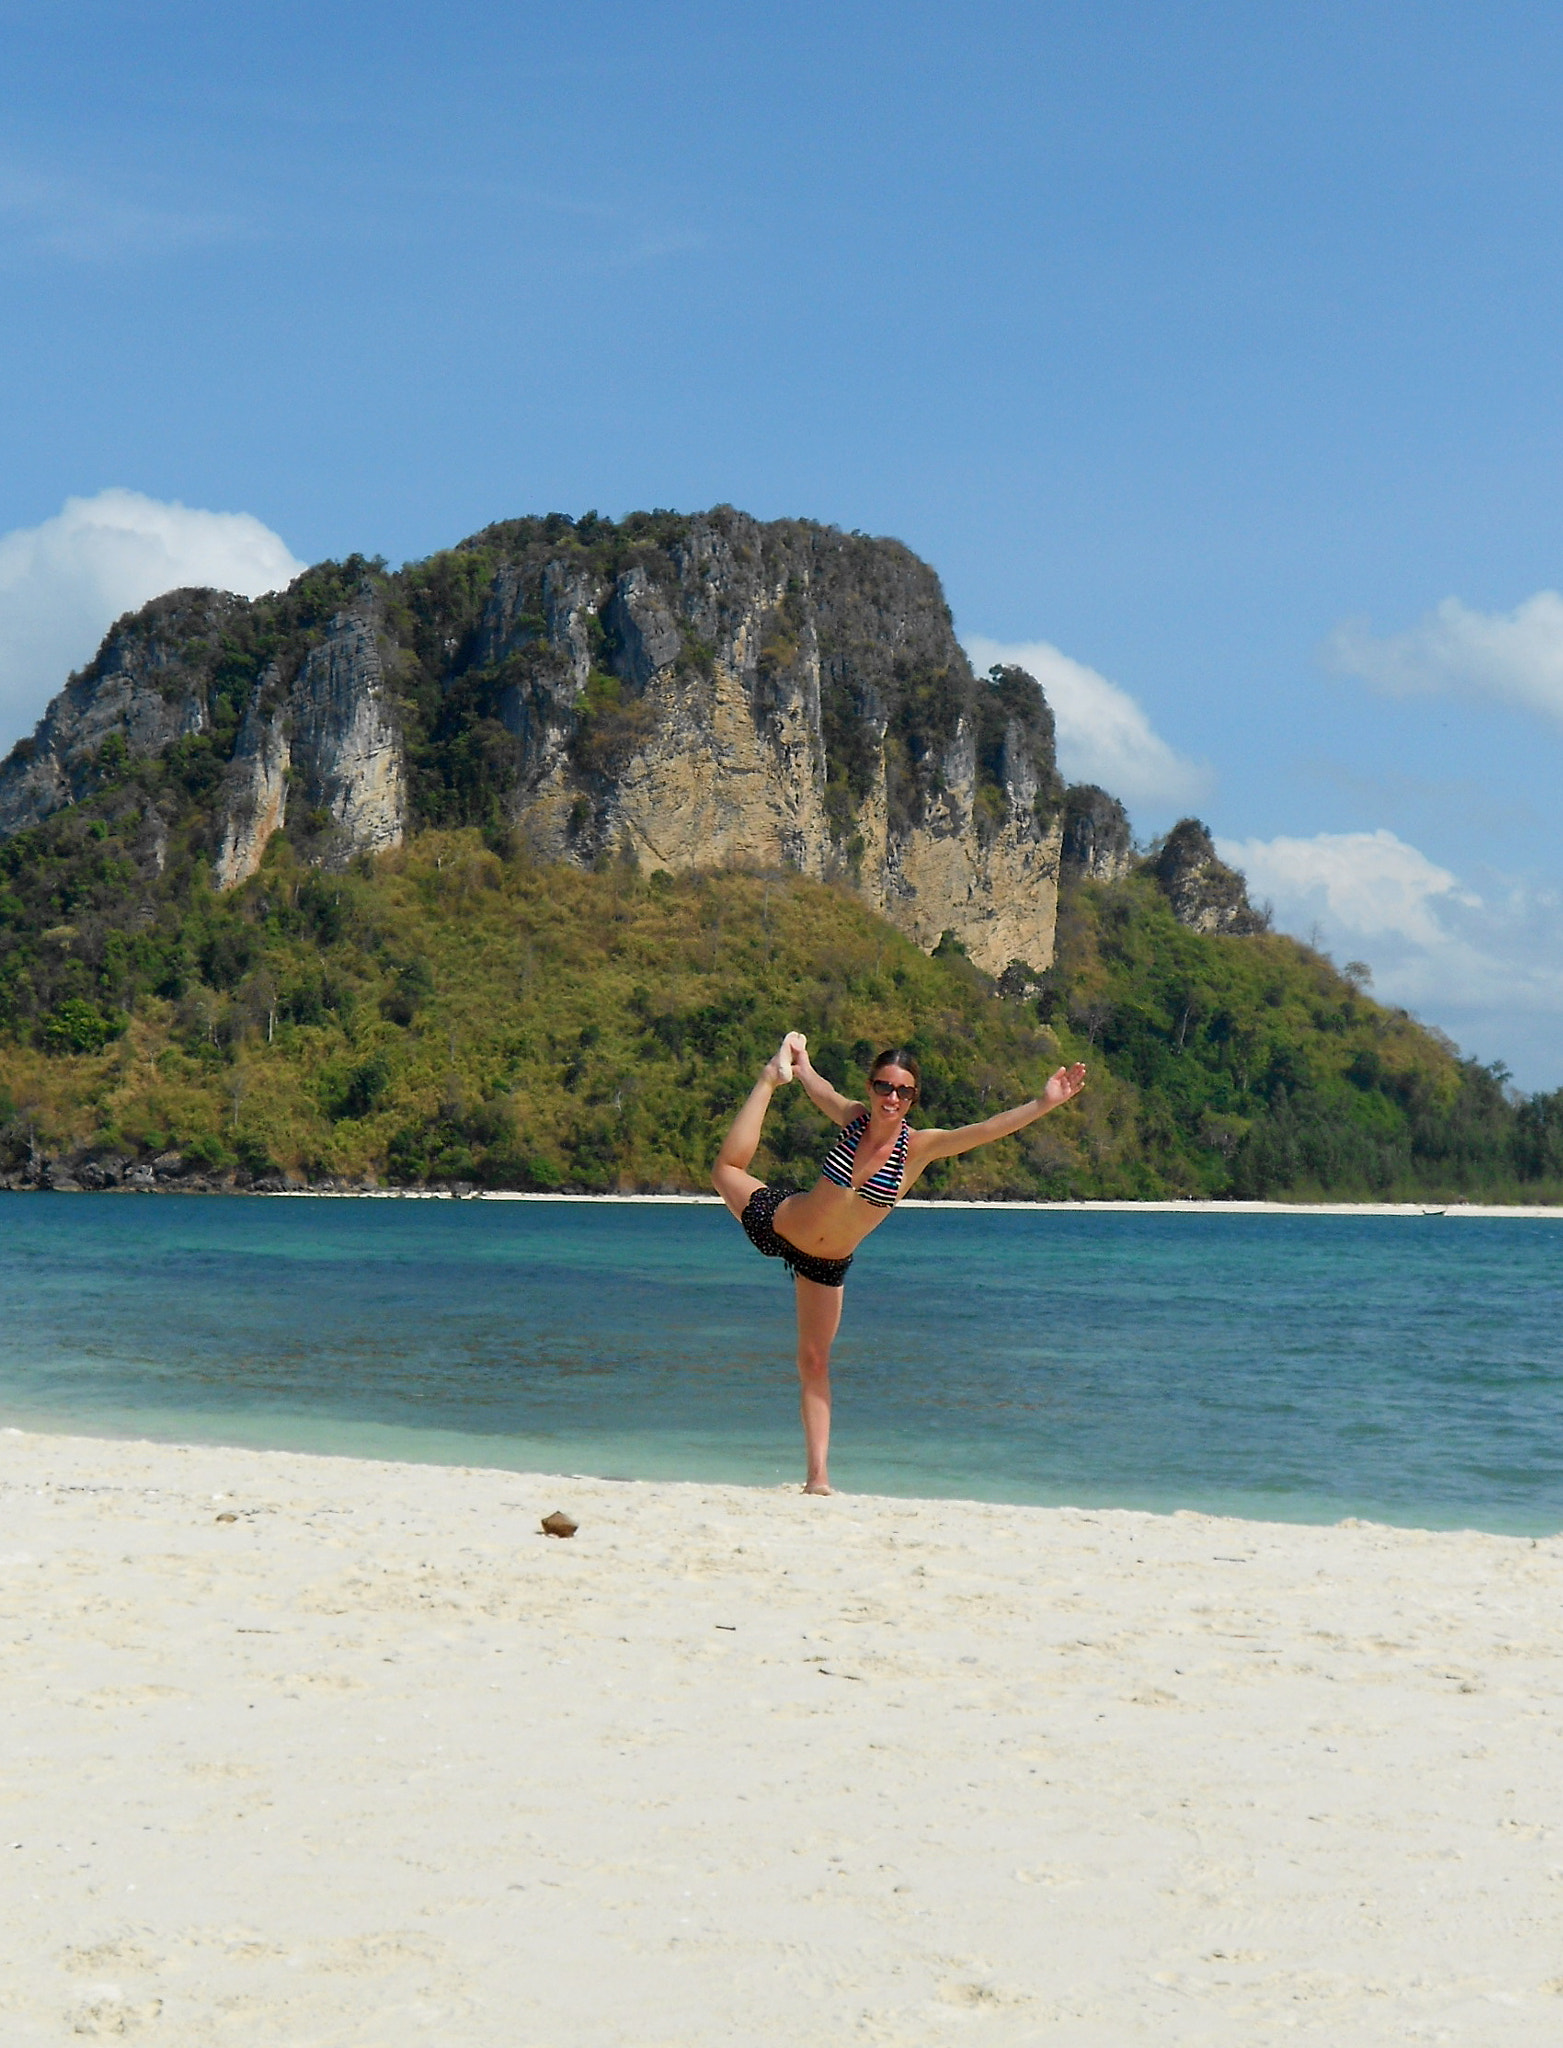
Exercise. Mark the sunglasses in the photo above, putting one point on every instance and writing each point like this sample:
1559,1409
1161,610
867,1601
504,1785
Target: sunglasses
887,1088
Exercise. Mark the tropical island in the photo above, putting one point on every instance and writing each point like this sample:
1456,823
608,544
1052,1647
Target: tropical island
508,868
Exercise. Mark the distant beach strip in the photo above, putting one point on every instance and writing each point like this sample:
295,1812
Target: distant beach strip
1539,1212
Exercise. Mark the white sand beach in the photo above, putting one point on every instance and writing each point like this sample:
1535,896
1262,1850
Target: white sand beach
376,1762
1456,1211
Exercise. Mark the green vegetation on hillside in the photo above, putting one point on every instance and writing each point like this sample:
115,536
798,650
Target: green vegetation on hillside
1259,1069
456,1012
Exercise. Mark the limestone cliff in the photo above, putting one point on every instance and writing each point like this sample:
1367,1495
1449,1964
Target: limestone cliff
329,745
345,746
145,690
255,794
682,691
311,738
1098,845
715,691
1204,892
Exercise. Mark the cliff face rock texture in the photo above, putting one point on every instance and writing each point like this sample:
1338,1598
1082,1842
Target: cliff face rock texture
1204,892
328,746
682,691
346,747
1098,845
255,792
314,732
715,691
147,688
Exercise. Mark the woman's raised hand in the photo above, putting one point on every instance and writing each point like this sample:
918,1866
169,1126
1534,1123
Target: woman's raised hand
1063,1086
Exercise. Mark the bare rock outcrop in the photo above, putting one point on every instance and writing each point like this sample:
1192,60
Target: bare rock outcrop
1098,845
780,696
328,747
255,792
346,746
1204,892
146,688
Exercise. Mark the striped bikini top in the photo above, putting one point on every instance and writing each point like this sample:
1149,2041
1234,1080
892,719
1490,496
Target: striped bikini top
882,1188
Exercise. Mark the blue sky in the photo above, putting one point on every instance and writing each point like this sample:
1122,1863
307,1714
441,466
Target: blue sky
1206,351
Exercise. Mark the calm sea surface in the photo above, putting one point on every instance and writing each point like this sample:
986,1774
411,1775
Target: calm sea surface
1295,1368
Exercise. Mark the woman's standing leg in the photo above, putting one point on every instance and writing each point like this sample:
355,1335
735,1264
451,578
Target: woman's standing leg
819,1318
731,1176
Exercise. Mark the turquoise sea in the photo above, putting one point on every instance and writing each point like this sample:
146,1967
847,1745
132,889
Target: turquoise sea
1295,1368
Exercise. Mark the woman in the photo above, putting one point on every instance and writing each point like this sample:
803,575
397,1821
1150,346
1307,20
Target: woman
876,1159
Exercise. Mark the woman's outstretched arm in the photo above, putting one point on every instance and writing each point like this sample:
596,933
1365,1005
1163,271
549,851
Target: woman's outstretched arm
841,1109
1063,1087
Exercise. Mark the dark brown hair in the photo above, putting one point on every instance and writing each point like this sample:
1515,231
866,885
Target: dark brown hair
898,1056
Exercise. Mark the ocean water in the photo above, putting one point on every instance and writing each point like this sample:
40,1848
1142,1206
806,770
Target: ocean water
1292,1368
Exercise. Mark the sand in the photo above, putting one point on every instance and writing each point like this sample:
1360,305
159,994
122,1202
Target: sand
378,1762
1457,1211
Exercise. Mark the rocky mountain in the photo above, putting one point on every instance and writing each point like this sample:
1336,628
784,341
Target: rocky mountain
678,692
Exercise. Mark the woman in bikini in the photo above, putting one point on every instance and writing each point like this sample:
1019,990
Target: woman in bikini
876,1159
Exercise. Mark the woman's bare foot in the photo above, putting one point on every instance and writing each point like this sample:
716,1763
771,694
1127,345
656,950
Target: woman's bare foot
783,1066
817,1486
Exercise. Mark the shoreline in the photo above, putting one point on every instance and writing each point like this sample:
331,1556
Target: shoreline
327,1748
80,1431
445,1452
1475,1211
1537,1211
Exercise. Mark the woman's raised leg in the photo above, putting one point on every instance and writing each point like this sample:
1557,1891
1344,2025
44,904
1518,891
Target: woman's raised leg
731,1176
819,1318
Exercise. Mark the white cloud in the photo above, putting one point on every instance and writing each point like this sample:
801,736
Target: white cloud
1515,657
1368,883
1484,965
1103,735
62,584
